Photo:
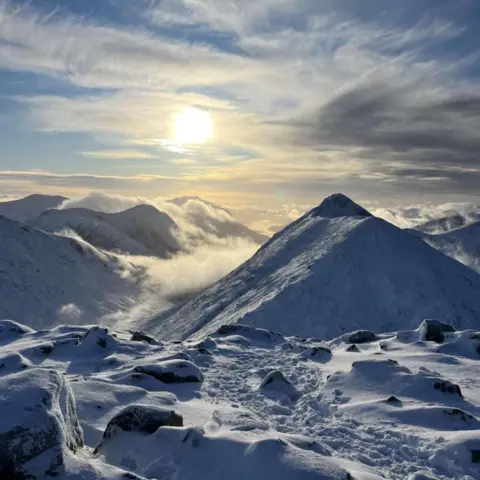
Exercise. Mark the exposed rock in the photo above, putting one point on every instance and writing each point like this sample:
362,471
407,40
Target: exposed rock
362,336
475,456
448,387
275,382
353,348
98,336
140,419
393,400
173,371
143,337
38,419
316,353
434,330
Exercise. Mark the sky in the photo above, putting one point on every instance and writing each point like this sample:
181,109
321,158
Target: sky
378,99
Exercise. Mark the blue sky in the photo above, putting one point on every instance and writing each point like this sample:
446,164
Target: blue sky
379,99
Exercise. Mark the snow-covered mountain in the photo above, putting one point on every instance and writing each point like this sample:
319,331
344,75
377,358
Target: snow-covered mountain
462,243
29,207
216,220
140,230
335,269
448,223
46,279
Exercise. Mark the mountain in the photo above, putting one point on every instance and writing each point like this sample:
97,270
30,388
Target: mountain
29,207
45,278
333,270
448,223
141,230
463,243
216,220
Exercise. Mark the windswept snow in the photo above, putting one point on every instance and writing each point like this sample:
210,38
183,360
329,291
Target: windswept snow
399,407
46,279
336,269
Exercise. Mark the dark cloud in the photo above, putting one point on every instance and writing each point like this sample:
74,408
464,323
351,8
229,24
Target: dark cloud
407,132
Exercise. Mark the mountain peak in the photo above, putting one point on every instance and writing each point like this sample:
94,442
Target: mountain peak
339,205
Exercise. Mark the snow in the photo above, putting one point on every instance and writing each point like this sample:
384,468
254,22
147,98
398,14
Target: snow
462,243
140,230
326,275
29,207
263,410
44,278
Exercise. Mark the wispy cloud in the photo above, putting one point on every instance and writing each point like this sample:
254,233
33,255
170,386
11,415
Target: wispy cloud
314,95
117,154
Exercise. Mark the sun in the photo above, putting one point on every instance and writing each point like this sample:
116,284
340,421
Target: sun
193,126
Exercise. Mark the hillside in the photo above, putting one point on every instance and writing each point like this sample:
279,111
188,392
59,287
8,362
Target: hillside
141,230
46,279
29,207
463,244
335,269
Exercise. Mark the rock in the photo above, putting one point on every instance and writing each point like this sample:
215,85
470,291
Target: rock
475,456
97,337
38,425
140,419
353,348
250,333
316,353
362,336
275,382
447,387
14,362
173,371
434,330
393,399
143,337
9,328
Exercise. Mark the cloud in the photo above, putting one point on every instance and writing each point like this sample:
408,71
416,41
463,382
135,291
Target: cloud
404,132
305,93
117,154
412,215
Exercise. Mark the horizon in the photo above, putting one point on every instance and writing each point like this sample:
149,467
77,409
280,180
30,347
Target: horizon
264,107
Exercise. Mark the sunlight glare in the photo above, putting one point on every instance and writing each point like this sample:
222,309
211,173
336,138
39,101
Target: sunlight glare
193,126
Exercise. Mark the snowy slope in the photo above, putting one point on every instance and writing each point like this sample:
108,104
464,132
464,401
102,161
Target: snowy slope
448,223
334,270
141,230
29,207
463,243
45,279
400,407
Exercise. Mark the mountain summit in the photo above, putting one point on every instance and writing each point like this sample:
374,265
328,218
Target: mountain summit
336,269
339,205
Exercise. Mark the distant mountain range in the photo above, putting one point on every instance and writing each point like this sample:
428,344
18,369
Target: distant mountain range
29,207
141,230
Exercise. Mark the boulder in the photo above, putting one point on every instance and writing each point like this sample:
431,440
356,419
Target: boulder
323,354
39,424
447,387
141,419
173,371
353,348
362,336
276,383
434,330
143,337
